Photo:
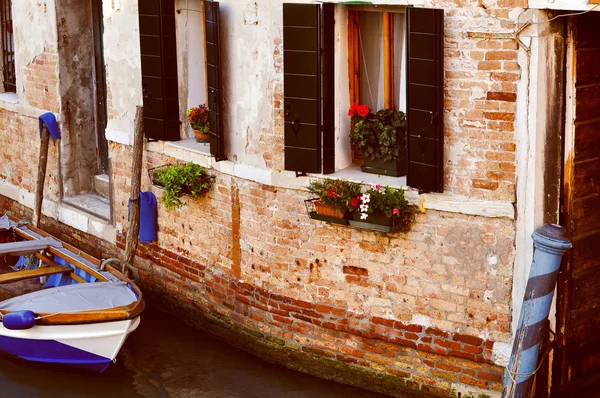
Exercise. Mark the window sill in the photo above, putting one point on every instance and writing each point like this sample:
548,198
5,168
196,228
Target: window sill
10,98
187,150
355,174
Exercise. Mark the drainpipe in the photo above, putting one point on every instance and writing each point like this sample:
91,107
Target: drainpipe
549,242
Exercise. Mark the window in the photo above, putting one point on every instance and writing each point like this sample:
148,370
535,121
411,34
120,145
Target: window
158,46
8,47
395,60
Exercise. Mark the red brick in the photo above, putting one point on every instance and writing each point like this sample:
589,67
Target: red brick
490,376
473,382
501,96
467,339
355,271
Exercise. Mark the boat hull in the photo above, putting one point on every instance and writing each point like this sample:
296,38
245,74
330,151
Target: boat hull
91,347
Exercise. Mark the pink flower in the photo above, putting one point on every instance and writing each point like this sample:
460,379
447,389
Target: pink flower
375,186
395,211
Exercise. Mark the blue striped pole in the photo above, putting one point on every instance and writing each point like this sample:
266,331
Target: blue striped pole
550,242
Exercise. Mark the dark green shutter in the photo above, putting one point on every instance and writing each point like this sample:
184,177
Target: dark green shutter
213,78
425,99
158,49
308,74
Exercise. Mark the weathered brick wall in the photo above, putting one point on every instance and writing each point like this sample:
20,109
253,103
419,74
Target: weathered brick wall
426,306
20,143
40,82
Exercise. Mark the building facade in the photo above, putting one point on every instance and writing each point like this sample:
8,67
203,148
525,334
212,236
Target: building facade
432,310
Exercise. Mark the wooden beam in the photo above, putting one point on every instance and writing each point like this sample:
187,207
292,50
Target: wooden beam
388,60
41,177
33,273
353,57
136,181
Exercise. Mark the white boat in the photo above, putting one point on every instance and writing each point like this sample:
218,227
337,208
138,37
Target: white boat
82,311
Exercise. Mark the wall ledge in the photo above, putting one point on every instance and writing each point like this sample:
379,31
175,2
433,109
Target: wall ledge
80,220
447,202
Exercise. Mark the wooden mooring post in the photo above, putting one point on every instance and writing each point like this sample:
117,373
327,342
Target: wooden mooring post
550,242
136,182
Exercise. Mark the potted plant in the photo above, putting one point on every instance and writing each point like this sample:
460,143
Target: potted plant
177,180
380,138
382,209
334,197
198,118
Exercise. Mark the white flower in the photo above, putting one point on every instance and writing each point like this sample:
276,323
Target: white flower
366,198
364,208
363,216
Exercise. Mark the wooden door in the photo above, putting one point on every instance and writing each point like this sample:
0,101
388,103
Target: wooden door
577,358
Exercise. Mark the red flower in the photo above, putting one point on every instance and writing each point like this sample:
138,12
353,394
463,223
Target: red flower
354,202
362,110
352,109
329,192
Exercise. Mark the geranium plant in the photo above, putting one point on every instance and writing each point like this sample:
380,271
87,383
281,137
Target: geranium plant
338,194
376,135
198,118
383,202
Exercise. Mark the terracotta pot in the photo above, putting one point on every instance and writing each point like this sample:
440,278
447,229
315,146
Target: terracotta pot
202,137
326,210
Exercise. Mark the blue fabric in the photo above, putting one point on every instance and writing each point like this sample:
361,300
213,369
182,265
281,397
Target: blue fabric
148,217
49,120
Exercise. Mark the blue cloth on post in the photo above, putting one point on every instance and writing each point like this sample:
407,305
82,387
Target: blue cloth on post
49,120
148,217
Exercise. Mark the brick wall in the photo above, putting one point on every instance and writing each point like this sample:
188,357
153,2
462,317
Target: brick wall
423,308
426,306
40,82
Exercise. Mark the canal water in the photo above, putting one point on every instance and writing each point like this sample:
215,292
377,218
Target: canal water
166,358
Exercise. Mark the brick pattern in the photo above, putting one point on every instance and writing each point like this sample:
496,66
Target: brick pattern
428,358
19,163
40,82
481,76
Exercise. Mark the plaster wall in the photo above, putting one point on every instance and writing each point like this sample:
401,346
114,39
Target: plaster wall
35,34
79,160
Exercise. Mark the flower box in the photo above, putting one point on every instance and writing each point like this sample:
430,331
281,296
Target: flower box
325,210
394,168
380,222
312,210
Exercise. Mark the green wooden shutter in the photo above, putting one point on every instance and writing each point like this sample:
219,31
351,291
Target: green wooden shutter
425,99
308,74
158,50
214,80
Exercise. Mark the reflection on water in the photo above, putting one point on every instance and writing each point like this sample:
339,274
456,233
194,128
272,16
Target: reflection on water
165,358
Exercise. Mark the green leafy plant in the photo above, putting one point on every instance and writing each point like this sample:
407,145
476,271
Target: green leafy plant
377,135
383,200
335,193
181,179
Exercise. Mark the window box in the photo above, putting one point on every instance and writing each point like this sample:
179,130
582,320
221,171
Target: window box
394,168
311,209
381,223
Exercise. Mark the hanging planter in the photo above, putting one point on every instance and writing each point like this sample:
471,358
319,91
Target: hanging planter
382,209
312,209
178,180
378,221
